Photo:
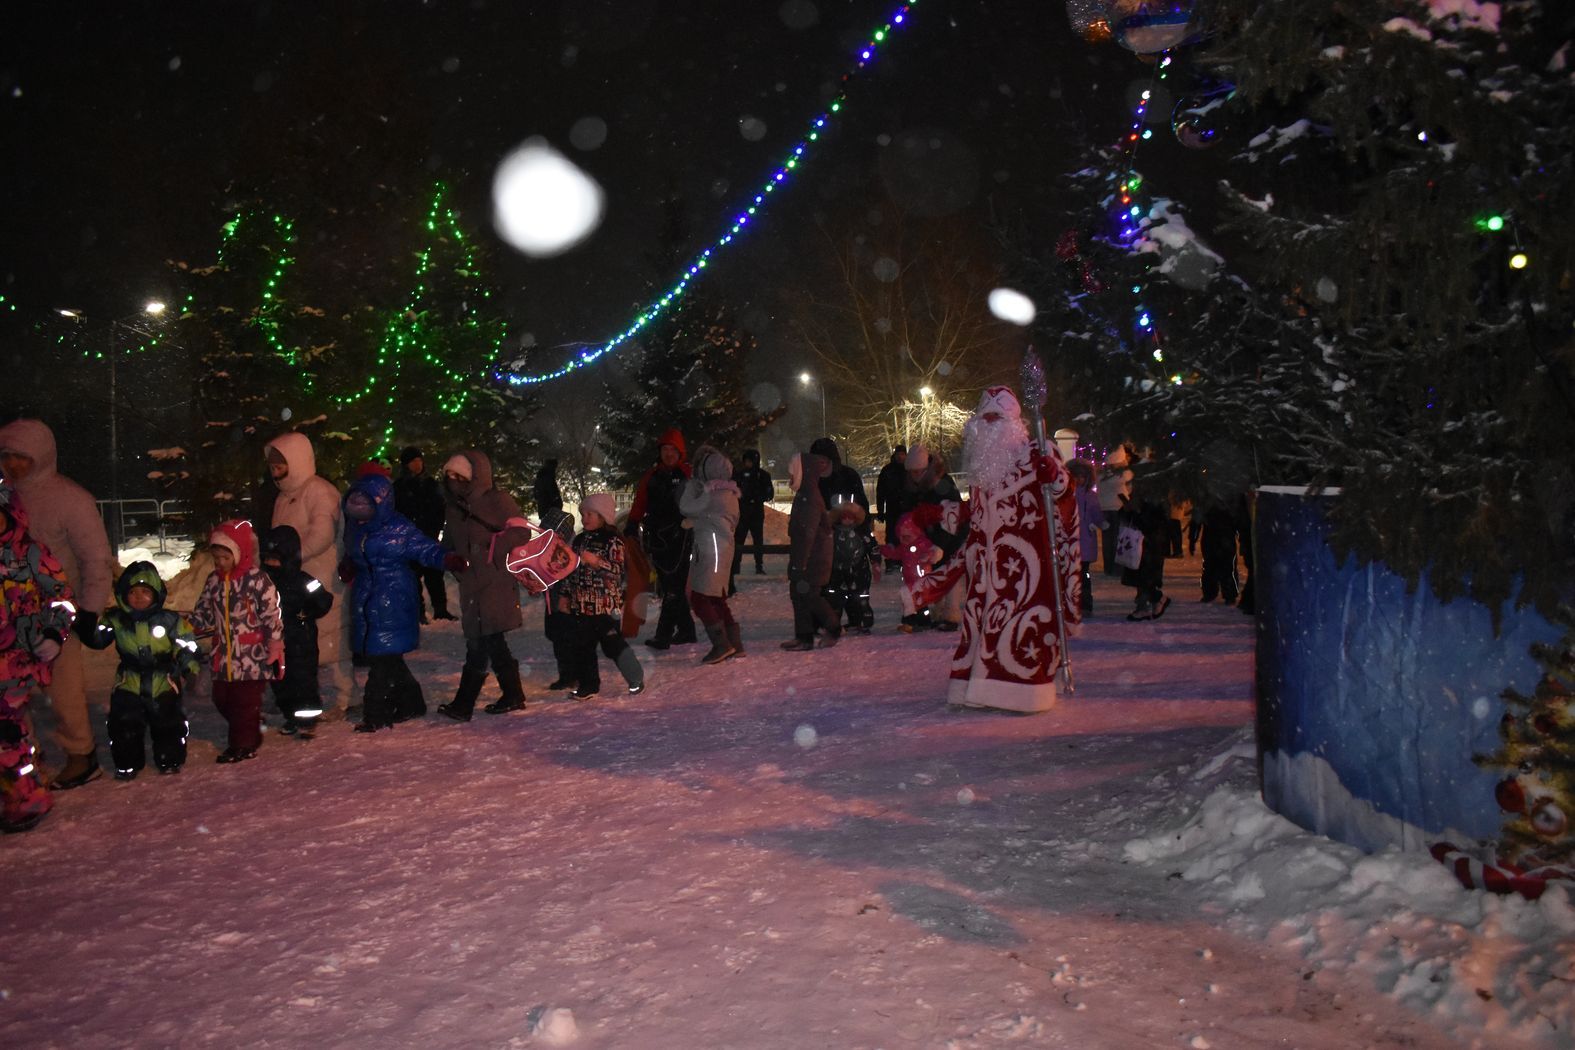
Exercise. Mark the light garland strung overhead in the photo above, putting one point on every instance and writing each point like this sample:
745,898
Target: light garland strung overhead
698,265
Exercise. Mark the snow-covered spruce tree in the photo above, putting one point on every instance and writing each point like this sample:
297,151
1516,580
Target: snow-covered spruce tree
1538,753
252,380
689,374
1409,209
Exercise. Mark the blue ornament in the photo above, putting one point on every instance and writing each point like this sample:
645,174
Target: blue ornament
1150,26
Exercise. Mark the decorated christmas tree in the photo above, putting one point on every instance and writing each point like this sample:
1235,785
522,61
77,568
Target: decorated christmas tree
1538,753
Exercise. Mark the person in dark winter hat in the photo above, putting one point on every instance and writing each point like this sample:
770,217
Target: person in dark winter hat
303,600
888,492
489,603
809,556
385,602
656,519
842,484
592,597
418,497
754,492
709,502
158,657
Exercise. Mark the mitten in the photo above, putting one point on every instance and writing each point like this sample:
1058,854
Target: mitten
455,563
346,570
86,625
46,649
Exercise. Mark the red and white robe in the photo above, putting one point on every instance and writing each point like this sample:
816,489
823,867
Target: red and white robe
1010,645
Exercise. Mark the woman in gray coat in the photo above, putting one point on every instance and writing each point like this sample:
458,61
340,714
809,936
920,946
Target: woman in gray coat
489,601
709,503
809,555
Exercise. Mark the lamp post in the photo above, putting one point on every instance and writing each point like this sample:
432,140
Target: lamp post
806,379
152,310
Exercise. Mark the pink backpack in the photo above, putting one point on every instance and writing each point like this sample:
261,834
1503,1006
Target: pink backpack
540,561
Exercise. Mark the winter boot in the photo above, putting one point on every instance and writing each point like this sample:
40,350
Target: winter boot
78,770
23,798
464,703
513,698
720,649
735,638
633,673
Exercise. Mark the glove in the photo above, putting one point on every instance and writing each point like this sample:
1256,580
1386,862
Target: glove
45,650
85,626
346,570
455,563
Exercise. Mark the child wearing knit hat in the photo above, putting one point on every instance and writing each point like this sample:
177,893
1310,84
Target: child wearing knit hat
592,597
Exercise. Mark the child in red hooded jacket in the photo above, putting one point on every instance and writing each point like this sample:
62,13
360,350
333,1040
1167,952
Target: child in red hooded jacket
239,610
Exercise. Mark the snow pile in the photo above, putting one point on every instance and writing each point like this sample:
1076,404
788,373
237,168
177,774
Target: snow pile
174,558
1399,920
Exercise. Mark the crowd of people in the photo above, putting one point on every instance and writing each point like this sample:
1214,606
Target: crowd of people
316,581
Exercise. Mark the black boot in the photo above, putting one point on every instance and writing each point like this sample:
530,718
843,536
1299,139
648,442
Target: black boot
735,638
464,703
513,698
720,648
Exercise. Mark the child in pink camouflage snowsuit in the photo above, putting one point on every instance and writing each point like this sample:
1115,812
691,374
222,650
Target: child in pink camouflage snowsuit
35,614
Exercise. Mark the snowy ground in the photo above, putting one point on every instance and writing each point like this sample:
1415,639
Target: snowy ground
680,870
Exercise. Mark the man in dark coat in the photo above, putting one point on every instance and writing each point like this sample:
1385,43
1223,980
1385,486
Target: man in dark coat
842,484
754,492
418,497
666,542
888,487
809,556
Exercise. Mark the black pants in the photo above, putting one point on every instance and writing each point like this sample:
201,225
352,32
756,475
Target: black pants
298,691
437,589
751,522
1086,602
669,554
810,608
131,716
854,603
1219,568
559,629
488,649
587,633
392,692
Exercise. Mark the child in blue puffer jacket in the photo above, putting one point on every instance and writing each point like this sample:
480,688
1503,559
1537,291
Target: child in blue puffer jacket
385,601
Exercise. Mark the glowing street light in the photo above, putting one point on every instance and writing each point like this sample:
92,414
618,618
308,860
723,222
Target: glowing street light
153,308
925,391
807,379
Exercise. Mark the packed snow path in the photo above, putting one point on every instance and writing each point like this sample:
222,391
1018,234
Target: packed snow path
689,868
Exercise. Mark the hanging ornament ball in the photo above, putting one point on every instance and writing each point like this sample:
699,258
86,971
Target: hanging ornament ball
543,204
1199,121
1150,26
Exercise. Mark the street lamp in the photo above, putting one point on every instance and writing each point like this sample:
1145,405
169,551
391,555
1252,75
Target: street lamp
806,379
925,391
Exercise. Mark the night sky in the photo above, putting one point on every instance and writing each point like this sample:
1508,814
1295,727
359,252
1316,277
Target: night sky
129,127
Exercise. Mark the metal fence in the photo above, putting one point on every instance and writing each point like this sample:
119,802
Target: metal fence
125,518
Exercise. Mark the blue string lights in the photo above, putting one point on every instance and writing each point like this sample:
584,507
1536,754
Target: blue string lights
739,225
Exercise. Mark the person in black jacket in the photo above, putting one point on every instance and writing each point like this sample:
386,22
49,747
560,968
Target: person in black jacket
418,497
888,487
655,518
842,484
303,600
754,492
544,490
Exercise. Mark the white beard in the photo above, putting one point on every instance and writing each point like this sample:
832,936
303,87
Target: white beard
993,450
